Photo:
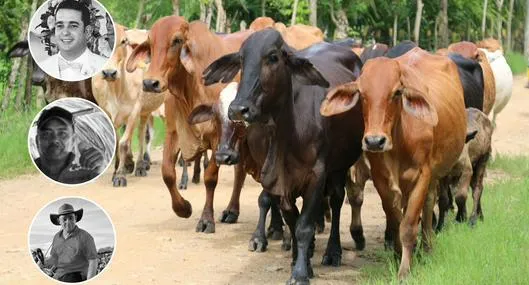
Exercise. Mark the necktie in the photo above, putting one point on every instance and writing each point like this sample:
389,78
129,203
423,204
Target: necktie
64,65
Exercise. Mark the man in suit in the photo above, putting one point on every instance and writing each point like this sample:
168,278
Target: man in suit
74,61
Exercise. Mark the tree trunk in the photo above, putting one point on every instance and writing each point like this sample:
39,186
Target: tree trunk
40,98
209,14
526,42
263,8
313,13
499,4
21,89
395,28
484,19
141,5
243,26
27,90
176,7
443,25
418,18
220,27
16,69
408,24
435,33
509,26
203,11
294,12
340,21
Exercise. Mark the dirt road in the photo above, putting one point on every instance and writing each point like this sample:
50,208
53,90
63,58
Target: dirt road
156,247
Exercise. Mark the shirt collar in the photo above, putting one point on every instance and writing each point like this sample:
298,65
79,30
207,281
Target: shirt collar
82,58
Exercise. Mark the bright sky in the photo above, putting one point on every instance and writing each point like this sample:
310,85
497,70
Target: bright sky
94,221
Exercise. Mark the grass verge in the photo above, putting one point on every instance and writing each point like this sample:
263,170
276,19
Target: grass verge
517,62
496,251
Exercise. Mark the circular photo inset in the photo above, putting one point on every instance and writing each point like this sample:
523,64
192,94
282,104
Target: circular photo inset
71,40
72,239
72,141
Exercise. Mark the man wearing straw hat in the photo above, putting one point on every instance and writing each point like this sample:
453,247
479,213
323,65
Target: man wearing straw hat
73,253
55,143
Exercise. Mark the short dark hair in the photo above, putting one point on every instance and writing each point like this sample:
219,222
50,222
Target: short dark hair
76,5
56,111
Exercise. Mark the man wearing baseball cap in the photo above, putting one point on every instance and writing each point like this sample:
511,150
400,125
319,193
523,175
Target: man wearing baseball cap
73,254
55,143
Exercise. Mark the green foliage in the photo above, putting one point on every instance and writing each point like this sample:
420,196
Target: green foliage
517,62
494,252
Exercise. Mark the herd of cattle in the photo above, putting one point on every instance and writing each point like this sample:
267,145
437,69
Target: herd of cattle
306,118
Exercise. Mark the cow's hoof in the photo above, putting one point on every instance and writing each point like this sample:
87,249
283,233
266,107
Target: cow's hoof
358,236
257,243
205,226
141,168
320,227
286,245
147,158
183,184
332,256
473,221
196,179
129,165
119,181
274,234
229,217
300,281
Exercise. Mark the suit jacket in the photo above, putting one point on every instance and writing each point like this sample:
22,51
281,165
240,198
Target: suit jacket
90,63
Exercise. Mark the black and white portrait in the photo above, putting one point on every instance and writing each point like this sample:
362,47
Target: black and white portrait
72,141
71,40
72,239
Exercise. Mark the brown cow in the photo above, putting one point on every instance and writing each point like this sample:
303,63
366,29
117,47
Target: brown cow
179,51
415,129
298,36
470,50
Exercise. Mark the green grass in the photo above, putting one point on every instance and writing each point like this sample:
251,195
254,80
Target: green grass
516,166
14,157
517,62
496,251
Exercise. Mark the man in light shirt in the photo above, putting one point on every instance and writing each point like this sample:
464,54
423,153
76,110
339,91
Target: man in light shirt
74,61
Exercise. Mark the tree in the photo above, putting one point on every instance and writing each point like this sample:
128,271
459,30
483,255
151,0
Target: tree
526,43
443,24
263,8
339,18
141,6
509,26
418,18
294,12
499,4
221,17
176,7
313,13
484,19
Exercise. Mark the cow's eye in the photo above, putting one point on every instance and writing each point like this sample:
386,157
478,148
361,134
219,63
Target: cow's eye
273,58
177,42
397,94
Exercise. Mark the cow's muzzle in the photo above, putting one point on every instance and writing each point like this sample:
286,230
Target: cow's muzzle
110,74
227,157
151,85
240,112
375,143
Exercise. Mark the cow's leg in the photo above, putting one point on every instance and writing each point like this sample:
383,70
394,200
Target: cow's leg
304,235
333,253
409,226
141,164
322,212
258,241
231,214
196,170
116,153
206,159
390,195
180,206
354,184
149,137
291,216
427,217
462,189
275,230
477,187
119,179
444,189
206,224
185,176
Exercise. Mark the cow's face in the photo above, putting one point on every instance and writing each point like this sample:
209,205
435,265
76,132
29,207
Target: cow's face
268,66
167,50
113,67
385,90
226,152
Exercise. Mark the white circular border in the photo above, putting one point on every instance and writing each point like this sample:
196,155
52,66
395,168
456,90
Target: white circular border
39,12
109,219
109,121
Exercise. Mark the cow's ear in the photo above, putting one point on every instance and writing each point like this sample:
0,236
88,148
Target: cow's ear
200,114
222,70
414,99
140,55
340,99
304,70
20,49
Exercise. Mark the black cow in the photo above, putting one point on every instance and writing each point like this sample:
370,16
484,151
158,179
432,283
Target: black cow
400,49
471,76
280,95
373,51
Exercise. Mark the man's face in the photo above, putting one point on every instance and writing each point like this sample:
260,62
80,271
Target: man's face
67,222
55,139
70,30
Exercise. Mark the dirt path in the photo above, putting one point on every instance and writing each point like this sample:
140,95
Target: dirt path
156,247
